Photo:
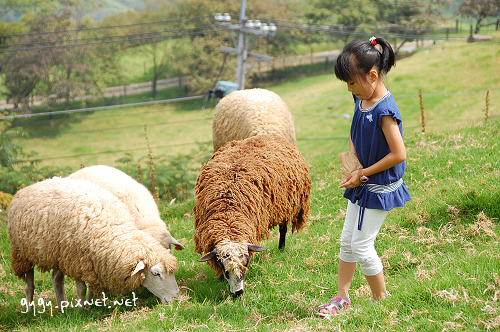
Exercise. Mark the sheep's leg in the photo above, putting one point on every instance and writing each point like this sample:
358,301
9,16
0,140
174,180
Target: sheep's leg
283,229
90,296
81,290
29,287
58,283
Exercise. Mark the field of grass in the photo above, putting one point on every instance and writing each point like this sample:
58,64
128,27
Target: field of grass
440,252
440,255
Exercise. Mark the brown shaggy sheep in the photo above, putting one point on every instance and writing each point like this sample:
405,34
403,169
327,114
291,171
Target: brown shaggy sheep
247,188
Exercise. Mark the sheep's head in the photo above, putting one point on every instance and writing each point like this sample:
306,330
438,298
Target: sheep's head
233,258
159,280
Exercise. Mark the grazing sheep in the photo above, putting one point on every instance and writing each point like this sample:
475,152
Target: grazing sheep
136,197
247,188
78,229
246,113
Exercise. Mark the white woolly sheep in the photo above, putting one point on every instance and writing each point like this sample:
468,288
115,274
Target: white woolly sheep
247,188
246,113
78,229
135,196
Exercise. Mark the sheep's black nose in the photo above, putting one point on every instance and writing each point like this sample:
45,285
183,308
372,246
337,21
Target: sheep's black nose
238,293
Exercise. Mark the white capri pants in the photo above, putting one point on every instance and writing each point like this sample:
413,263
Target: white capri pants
358,246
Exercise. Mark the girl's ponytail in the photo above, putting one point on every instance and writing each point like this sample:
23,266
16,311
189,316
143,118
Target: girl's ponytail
359,56
387,56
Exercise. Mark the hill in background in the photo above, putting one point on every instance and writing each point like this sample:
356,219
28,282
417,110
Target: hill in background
111,7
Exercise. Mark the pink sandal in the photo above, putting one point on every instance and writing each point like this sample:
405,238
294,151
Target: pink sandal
335,304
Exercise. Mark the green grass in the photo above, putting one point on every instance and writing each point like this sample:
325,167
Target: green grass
440,252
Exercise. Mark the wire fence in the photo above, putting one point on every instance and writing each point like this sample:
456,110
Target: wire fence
72,135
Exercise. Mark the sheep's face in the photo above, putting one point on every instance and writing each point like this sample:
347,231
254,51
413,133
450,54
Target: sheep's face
234,267
161,283
233,258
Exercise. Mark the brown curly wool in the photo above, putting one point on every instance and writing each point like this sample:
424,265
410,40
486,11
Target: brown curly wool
82,230
247,188
246,113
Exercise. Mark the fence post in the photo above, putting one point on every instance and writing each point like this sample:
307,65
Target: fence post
487,105
422,110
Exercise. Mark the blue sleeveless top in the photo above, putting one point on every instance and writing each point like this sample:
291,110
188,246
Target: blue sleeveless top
385,190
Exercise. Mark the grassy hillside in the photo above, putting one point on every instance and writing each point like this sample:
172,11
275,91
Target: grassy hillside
453,77
440,255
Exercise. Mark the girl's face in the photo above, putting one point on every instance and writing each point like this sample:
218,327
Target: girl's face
364,87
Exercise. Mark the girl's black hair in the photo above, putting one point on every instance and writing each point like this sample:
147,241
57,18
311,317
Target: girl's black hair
359,56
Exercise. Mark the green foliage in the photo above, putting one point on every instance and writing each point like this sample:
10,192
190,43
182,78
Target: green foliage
406,17
5,200
15,171
174,176
480,11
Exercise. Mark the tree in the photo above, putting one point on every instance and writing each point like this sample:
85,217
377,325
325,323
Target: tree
23,6
199,56
48,66
410,18
480,10
402,17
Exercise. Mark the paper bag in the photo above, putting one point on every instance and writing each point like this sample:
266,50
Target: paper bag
348,162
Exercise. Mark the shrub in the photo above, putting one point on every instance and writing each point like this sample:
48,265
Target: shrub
174,176
17,168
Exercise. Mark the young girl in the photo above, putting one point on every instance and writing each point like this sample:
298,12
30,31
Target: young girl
376,138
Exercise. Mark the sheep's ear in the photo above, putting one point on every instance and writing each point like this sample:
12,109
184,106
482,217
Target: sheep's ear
209,256
177,245
140,266
253,247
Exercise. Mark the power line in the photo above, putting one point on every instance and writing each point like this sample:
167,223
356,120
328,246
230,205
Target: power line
108,115
208,142
108,152
23,116
54,133
106,27
364,34
200,97
115,41
394,95
104,37
354,27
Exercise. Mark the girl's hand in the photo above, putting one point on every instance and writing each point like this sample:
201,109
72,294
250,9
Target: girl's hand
352,181
396,155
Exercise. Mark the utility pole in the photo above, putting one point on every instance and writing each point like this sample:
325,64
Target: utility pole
242,51
244,28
